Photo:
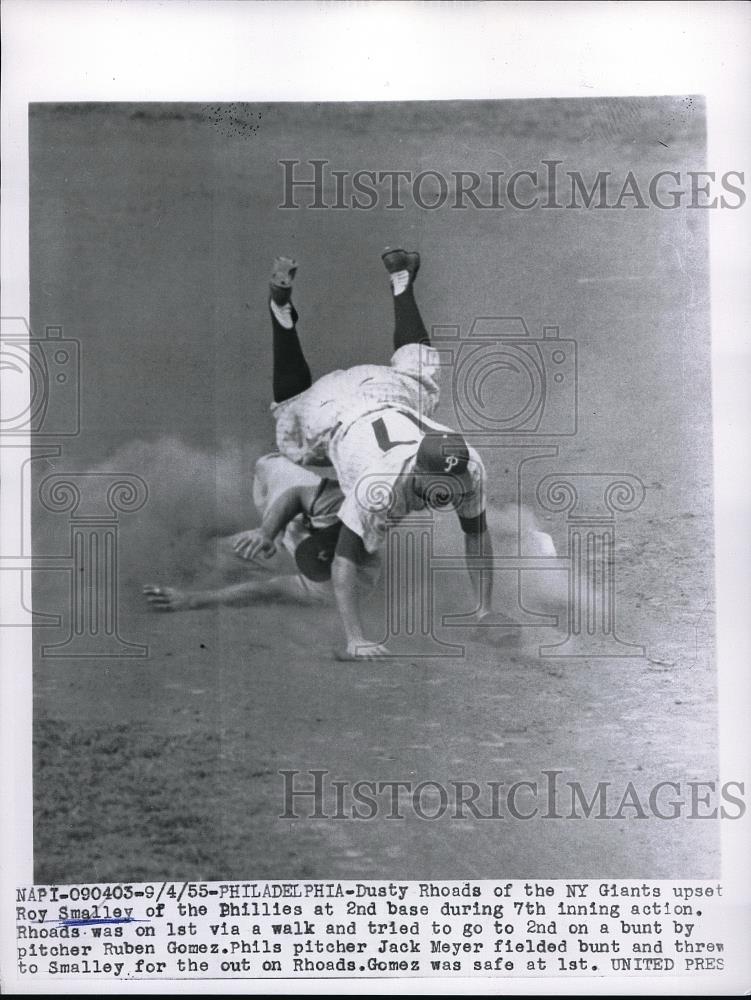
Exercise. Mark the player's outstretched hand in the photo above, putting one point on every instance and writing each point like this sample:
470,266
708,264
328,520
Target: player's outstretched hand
166,598
361,651
253,544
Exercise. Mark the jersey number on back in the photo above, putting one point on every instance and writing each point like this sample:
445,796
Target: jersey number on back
382,436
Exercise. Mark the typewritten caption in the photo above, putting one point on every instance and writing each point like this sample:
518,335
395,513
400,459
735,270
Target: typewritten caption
265,929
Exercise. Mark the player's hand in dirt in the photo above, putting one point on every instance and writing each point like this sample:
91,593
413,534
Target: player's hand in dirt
166,598
359,650
253,544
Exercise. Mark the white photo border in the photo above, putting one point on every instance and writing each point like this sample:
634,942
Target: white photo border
200,50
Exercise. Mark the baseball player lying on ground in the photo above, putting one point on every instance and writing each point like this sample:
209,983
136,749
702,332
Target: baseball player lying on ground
289,554
372,424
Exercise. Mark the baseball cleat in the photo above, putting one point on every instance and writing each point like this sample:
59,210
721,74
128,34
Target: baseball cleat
282,276
401,260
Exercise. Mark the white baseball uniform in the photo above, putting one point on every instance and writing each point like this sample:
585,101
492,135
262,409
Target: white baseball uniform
306,423
367,422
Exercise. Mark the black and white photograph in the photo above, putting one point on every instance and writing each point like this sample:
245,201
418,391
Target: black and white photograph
369,467
315,398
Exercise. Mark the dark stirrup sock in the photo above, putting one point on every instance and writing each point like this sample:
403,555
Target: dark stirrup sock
408,325
291,374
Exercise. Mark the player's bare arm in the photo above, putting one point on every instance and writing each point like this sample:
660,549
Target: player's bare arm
478,544
260,541
256,547
276,588
349,574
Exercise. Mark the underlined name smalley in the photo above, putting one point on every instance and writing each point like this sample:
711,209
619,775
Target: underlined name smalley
272,929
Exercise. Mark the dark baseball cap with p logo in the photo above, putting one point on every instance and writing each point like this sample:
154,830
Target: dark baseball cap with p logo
443,452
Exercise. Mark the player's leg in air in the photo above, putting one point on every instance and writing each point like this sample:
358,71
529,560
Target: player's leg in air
402,267
291,552
308,416
291,374
361,420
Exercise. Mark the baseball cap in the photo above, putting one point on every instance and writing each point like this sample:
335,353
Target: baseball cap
443,452
314,555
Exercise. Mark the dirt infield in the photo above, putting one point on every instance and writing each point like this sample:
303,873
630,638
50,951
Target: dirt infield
152,230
